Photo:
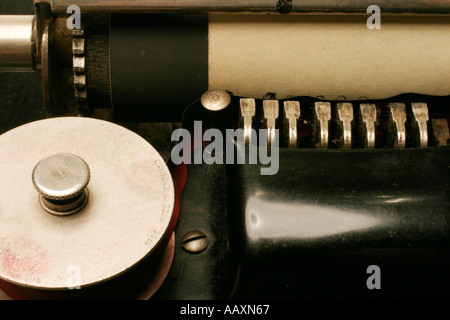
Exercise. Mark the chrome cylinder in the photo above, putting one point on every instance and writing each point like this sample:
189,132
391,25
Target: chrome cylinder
16,43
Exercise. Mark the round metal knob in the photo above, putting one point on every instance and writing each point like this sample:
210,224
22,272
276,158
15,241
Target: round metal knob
123,229
61,180
215,100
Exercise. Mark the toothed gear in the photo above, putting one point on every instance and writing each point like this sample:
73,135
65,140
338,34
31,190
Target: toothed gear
79,72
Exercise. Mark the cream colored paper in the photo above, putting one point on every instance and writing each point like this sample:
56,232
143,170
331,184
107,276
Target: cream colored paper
329,56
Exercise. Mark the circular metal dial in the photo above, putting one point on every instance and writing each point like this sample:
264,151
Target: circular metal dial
131,198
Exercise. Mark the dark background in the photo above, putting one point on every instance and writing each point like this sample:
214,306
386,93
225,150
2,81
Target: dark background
21,99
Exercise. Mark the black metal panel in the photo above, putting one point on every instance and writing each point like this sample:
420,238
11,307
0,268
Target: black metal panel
314,228
206,275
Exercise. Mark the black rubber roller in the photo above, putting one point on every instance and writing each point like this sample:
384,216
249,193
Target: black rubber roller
159,65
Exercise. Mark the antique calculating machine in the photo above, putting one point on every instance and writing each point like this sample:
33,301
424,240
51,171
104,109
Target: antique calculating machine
254,149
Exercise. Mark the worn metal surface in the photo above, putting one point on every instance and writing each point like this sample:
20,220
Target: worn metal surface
20,93
79,72
195,241
420,111
345,112
61,180
61,176
398,114
307,122
54,84
292,112
128,213
271,110
369,117
256,6
215,100
323,114
441,133
248,110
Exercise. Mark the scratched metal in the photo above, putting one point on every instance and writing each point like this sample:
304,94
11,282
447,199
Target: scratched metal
129,209
254,6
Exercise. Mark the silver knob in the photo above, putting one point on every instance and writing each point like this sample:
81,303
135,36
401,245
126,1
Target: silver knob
215,100
61,180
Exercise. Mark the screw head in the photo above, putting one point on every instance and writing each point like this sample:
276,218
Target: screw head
215,100
194,242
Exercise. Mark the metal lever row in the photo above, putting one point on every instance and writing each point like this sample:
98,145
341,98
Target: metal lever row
368,118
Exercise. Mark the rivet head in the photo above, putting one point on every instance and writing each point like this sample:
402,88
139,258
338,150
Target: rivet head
61,180
215,100
194,241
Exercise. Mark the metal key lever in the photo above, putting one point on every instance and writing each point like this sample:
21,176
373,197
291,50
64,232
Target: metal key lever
292,111
398,114
369,117
323,114
308,123
248,110
345,112
271,114
420,111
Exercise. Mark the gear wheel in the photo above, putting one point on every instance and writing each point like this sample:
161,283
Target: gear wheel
79,72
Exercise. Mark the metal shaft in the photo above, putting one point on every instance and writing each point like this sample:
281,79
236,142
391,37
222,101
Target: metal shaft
16,43
255,6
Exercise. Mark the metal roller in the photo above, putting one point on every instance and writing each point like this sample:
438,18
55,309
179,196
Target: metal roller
17,43
172,53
